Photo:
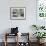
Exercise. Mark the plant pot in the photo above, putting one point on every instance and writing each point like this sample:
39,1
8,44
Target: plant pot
40,40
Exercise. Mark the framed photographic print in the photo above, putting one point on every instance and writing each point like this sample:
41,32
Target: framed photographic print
41,12
41,8
17,13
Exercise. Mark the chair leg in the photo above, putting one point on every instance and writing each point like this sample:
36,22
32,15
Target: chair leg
5,40
5,43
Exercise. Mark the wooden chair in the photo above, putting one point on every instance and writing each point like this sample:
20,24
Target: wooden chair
8,34
25,36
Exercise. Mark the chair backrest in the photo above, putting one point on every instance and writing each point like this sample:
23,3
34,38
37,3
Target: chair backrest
24,37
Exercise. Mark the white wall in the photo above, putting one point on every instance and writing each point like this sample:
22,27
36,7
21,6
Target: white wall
24,25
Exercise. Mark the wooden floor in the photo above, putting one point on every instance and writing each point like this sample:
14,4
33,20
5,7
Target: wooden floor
13,44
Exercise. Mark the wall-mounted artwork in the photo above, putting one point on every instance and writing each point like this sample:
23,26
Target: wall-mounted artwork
41,8
17,13
41,12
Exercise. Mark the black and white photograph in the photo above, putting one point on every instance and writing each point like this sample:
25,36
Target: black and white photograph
17,13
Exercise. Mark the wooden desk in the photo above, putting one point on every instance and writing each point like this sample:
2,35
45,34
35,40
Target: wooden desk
8,34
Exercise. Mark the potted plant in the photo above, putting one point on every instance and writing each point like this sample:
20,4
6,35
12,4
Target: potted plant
39,35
